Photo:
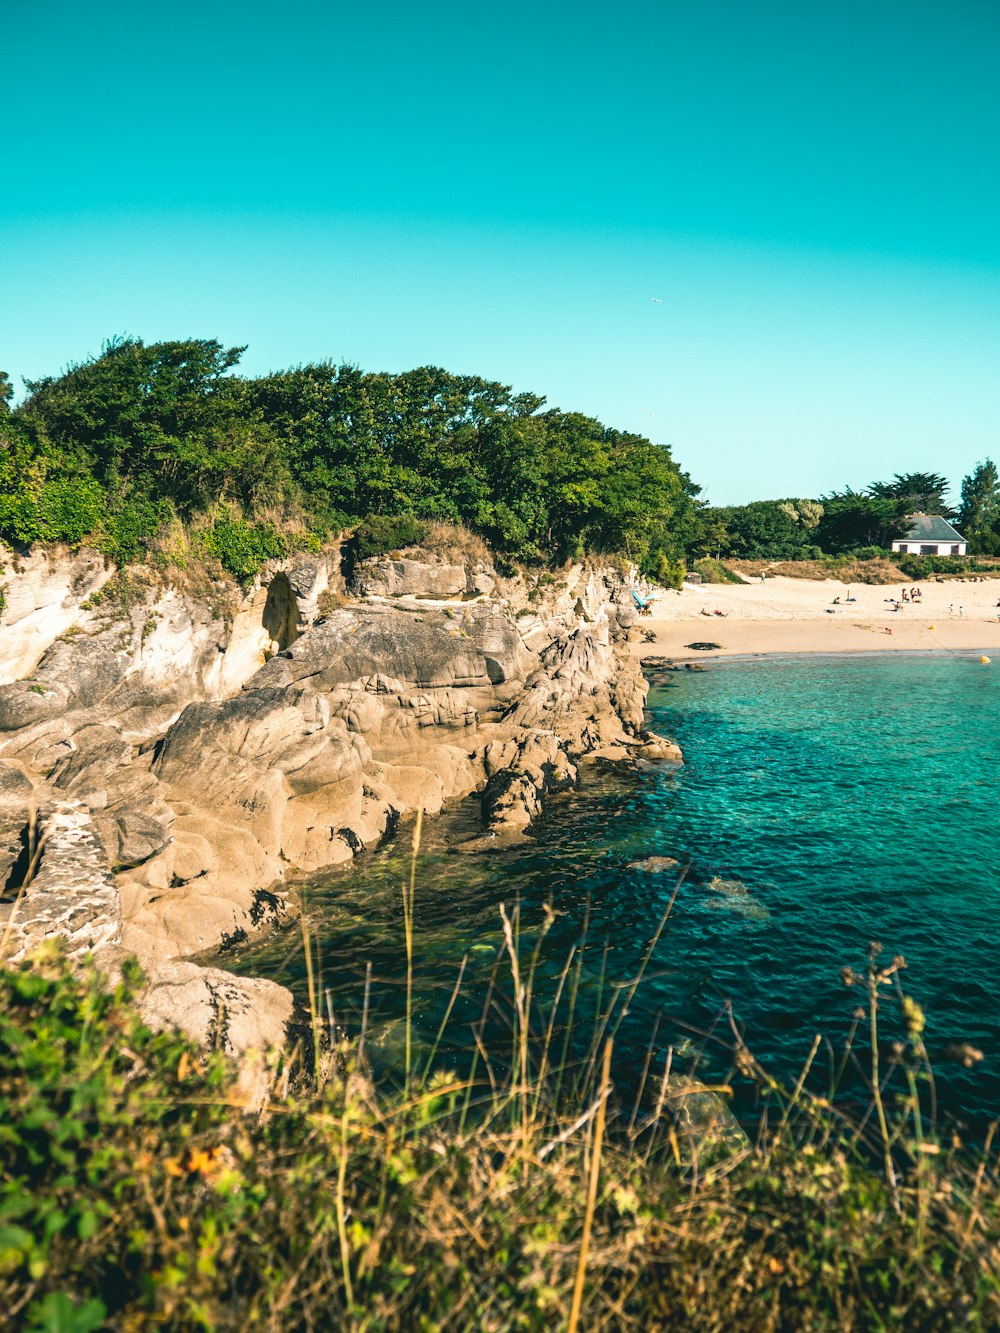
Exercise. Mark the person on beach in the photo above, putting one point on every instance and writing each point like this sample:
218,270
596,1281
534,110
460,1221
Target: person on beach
763,576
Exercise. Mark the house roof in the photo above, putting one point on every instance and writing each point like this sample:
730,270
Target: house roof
930,528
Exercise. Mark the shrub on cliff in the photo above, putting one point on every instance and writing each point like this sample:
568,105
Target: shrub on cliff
242,547
383,533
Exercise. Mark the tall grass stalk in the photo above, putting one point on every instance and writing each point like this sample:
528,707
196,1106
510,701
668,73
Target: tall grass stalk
495,1202
595,1171
315,1022
409,893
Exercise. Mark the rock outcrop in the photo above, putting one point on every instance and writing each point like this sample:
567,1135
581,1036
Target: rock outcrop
189,752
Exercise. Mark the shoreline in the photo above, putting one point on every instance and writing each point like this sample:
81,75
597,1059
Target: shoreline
650,660
800,617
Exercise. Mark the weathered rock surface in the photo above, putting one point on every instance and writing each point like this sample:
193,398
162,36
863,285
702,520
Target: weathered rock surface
189,752
423,577
44,592
72,893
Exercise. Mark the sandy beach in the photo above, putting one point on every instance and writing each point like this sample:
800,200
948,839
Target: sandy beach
786,615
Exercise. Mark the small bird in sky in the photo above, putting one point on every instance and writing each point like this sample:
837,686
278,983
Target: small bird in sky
656,300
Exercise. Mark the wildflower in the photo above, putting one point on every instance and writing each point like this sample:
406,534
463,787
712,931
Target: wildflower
914,1017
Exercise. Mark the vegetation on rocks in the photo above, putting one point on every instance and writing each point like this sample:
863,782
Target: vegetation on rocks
136,1189
116,447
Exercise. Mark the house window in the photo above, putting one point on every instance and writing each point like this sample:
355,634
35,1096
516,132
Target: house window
929,550
955,550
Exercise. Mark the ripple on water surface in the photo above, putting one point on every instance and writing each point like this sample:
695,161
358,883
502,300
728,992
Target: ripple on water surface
824,803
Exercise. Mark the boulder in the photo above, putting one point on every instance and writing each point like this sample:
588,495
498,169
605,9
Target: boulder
383,576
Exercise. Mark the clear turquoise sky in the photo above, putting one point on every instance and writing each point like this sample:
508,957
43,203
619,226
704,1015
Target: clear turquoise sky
811,189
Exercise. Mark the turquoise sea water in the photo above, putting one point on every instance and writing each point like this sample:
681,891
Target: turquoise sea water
824,803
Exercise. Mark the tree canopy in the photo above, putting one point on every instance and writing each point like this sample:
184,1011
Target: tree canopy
915,493
763,529
979,515
117,445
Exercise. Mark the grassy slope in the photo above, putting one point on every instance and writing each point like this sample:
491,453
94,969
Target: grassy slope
134,1191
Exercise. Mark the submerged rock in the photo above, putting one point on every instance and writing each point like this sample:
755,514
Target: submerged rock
655,865
706,1128
736,897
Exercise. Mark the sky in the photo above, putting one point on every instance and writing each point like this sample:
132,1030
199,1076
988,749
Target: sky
810,192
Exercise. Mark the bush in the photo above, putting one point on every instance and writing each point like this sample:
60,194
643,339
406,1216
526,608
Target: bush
127,532
381,534
669,573
242,547
919,566
61,509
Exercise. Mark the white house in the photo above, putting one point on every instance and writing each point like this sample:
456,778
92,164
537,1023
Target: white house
929,534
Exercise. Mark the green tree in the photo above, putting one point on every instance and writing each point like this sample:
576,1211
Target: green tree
761,530
853,519
915,493
6,392
979,515
172,428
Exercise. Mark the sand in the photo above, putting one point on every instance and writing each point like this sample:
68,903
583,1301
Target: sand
798,616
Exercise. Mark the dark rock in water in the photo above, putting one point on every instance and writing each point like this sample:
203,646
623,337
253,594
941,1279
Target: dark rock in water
694,666
655,864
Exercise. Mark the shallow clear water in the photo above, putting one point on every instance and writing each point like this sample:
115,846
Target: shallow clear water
840,800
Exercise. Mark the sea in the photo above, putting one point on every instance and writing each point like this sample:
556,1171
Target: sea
830,811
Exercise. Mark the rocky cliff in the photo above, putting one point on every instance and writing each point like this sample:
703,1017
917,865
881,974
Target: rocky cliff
170,753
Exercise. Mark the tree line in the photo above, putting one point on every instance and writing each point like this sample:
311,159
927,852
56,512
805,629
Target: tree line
123,443
854,522
120,446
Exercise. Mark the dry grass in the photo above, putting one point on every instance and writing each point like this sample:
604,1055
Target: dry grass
527,1193
449,543
848,571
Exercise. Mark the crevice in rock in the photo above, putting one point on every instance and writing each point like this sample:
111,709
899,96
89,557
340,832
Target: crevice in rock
19,867
281,616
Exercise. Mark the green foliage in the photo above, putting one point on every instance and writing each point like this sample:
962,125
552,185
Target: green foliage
670,573
762,530
979,516
242,547
135,1193
915,493
919,566
382,533
853,519
114,447
714,571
